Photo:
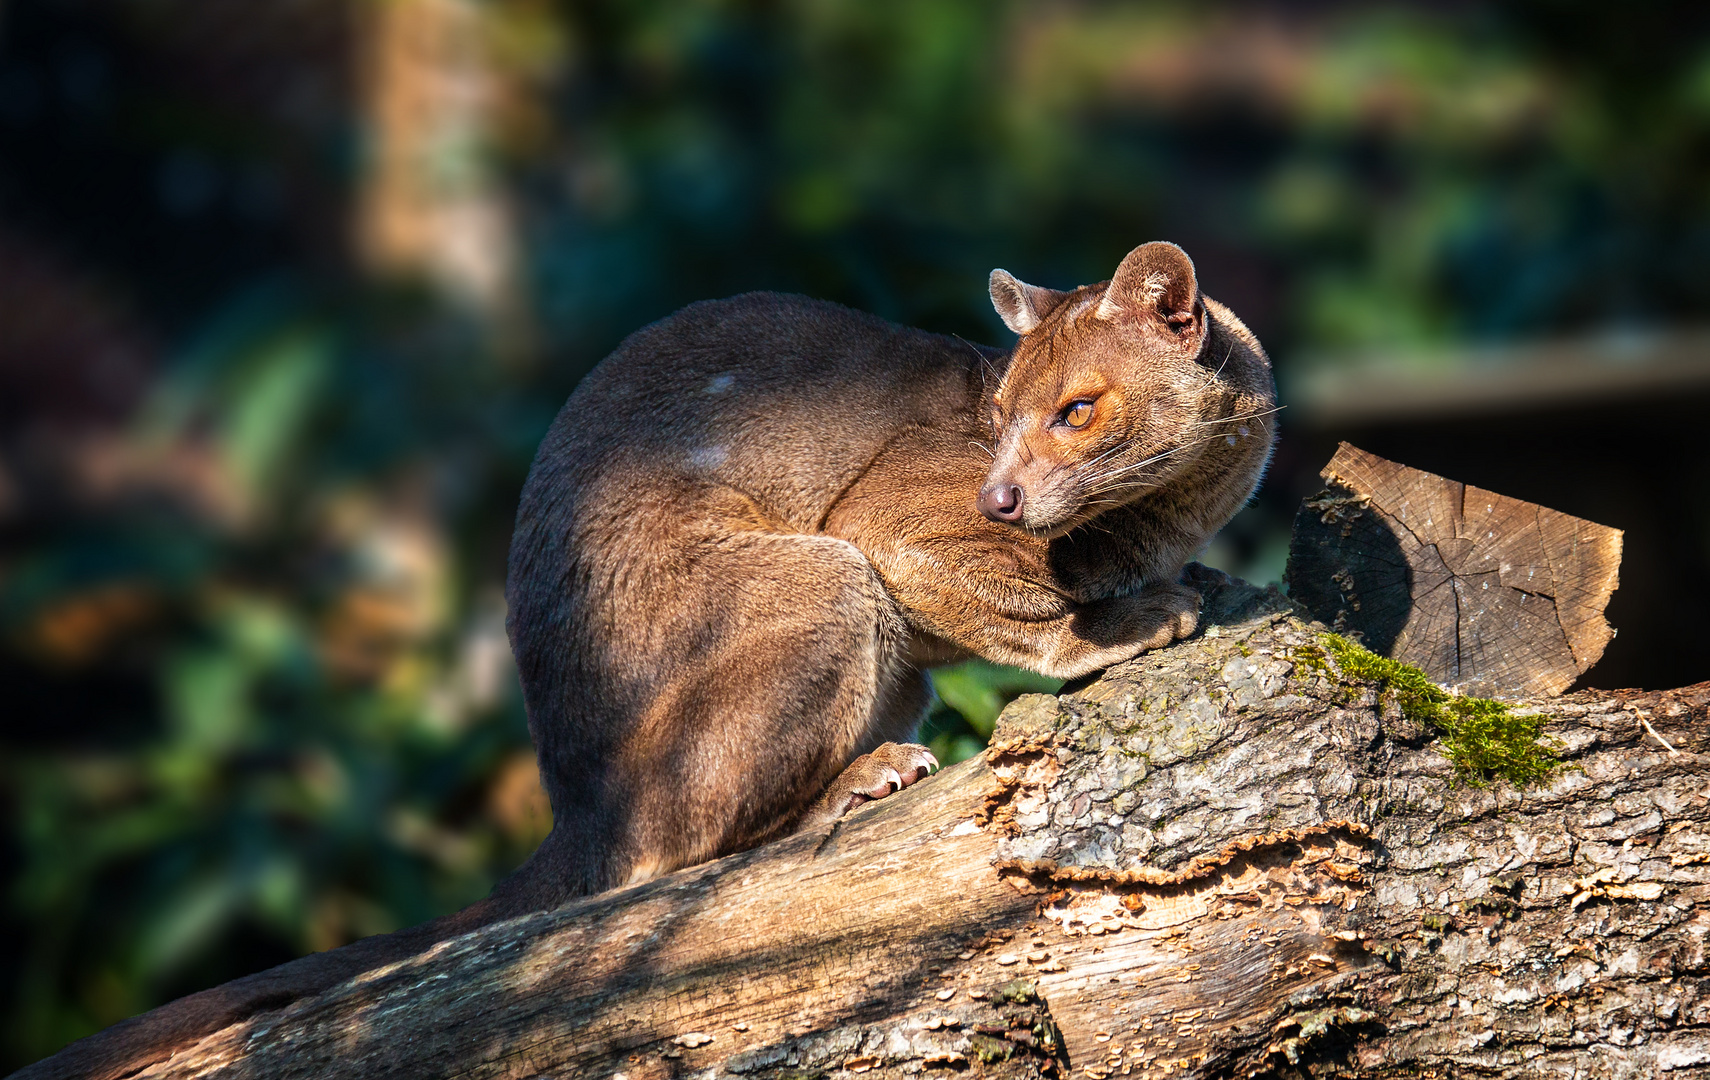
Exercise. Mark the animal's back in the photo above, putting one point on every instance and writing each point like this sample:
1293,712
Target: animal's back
652,537
782,397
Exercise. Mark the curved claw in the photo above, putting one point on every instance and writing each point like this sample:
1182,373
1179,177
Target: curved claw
886,782
883,771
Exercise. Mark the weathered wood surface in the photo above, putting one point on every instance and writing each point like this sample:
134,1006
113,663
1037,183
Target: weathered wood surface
1484,593
755,964
1221,859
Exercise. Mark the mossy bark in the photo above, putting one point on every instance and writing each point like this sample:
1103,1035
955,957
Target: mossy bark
1225,858
1295,864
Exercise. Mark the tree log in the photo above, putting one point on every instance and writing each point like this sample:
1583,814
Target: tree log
1224,858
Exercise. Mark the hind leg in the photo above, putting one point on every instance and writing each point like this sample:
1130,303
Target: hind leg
748,667
814,678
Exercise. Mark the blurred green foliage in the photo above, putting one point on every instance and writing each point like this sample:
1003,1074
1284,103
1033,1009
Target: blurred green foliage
327,742
970,696
251,621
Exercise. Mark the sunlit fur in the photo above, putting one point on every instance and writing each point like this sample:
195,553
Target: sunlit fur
1164,408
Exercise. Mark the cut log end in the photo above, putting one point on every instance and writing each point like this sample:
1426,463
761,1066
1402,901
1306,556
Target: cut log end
1486,594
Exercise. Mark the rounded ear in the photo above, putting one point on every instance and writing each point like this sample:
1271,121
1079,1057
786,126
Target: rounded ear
1156,286
1022,306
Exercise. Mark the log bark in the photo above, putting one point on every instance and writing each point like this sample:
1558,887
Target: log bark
1225,858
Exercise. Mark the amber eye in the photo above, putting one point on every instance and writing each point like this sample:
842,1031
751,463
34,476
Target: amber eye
1078,414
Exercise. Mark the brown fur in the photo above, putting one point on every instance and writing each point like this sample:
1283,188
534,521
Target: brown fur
756,522
754,525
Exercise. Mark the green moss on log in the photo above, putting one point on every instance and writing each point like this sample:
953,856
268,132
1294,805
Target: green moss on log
1482,738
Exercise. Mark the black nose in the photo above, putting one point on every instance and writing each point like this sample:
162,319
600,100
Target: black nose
1001,502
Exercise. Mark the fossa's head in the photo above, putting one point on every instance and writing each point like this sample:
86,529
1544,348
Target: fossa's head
1111,392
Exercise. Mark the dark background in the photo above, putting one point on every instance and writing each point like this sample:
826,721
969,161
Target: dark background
289,289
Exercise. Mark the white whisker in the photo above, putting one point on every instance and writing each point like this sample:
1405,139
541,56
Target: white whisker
1241,416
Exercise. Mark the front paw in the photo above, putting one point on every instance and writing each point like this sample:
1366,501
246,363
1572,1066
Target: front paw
890,768
1174,614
